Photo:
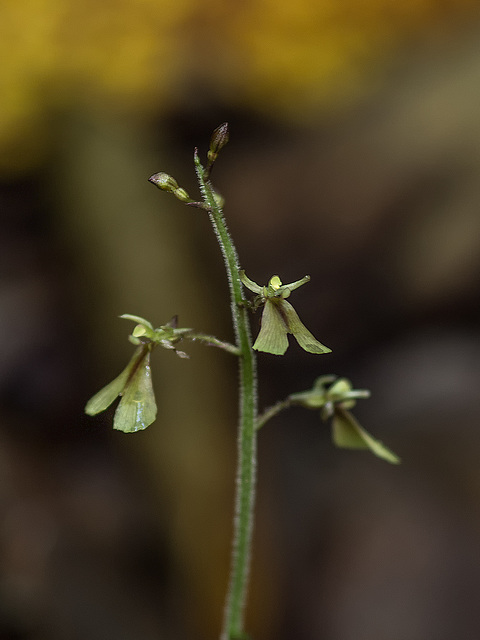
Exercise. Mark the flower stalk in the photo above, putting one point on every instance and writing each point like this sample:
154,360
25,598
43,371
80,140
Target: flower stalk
233,623
212,341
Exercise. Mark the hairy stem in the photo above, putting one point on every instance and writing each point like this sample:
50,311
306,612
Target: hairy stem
271,412
211,341
233,622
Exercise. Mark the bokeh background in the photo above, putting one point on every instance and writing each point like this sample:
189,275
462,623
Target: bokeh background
354,157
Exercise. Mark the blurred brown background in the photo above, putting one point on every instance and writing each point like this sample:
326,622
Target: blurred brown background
354,157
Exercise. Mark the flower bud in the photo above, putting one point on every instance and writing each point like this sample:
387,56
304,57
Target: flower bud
164,182
219,139
182,195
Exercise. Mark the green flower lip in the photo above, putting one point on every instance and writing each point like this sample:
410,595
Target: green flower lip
137,408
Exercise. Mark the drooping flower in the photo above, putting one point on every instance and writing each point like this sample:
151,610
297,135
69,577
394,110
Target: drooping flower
334,397
279,318
137,408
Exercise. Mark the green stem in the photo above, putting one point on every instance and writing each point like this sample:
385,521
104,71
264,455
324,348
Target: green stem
247,447
271,412
211,341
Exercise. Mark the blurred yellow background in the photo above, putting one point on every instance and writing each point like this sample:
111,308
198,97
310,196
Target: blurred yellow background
354,156
285,60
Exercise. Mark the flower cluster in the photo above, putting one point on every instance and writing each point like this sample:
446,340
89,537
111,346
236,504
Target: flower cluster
333,397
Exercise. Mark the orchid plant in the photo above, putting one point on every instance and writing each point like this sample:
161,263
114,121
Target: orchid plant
333,397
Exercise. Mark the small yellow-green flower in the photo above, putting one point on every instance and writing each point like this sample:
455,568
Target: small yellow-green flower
334,397
137,408
279,318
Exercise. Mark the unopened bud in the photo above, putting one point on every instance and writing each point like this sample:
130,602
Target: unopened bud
219,138
182,195
164,182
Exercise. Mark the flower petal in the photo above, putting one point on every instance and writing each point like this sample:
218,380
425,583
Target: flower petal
137,408
288,288
348,434
104,398
303,336
137,319
273,332
250,284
